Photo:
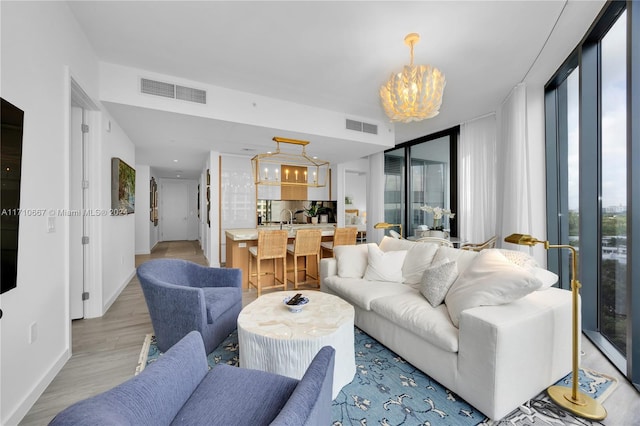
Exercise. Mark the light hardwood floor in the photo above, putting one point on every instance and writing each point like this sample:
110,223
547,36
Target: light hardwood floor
106,351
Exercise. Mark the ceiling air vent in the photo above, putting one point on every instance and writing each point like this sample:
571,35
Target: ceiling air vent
158,88
359,126
191,95
370,128
168,90
354,125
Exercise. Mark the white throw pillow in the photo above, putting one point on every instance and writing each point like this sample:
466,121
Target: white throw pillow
419,257
547,278
463,258
528,262
437,280
384,266
520,258
489,280
394,244
352,260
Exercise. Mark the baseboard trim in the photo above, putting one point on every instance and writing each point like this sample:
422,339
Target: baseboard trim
23,408
113,298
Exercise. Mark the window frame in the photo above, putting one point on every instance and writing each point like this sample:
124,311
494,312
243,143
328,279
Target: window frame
587,55
453,133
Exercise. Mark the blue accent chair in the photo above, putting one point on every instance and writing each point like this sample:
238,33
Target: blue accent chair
183,296
178,389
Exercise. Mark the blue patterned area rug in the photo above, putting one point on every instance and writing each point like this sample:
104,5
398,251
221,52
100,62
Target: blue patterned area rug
387,390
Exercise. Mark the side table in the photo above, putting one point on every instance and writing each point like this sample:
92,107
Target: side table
278,341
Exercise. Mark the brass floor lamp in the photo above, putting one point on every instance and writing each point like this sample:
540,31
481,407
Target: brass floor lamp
570,399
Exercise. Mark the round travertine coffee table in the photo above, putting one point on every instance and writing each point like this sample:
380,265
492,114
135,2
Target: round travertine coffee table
278,341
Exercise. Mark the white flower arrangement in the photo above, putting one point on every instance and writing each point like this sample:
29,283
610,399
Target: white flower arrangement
438,212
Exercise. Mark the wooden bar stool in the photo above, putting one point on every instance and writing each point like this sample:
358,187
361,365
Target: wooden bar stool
341,237
271,245
307,243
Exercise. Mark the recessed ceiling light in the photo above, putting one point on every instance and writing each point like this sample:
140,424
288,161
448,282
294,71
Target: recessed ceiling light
175,161
177,175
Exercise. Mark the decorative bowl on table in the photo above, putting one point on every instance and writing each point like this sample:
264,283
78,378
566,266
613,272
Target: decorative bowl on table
302,301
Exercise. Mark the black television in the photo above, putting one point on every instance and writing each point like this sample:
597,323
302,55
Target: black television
12,121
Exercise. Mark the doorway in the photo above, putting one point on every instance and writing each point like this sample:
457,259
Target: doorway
81,107
177,210
355,201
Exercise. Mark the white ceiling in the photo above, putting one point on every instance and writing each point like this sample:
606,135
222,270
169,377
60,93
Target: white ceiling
331,55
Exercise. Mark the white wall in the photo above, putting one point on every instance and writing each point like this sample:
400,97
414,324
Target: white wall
192,227
333,189
38,41
118,232
42,46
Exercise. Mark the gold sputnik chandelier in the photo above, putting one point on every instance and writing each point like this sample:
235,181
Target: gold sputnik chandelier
415,93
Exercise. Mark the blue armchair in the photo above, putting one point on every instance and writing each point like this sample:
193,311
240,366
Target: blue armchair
178,389
183,296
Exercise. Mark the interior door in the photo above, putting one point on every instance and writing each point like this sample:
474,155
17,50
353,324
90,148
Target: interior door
174,201
76,258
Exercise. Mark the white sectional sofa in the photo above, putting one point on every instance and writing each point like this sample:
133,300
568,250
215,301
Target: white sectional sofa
491,350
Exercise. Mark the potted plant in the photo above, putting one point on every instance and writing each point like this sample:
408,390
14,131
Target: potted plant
437,230
313,211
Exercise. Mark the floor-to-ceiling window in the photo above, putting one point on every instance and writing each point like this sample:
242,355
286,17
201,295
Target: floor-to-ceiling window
394,186
613,185
430,168
573,159
591,179
431,181
564,182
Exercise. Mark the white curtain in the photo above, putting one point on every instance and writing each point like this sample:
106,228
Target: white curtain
375,197
477,179
514,175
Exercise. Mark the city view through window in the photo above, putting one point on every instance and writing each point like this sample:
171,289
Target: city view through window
613,181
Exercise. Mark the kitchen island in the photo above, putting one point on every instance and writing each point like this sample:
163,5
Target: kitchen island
239,240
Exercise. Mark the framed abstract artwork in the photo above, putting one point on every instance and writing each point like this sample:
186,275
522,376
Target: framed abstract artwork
153,201
123,187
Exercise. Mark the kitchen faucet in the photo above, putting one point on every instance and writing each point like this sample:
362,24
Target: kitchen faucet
290,218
